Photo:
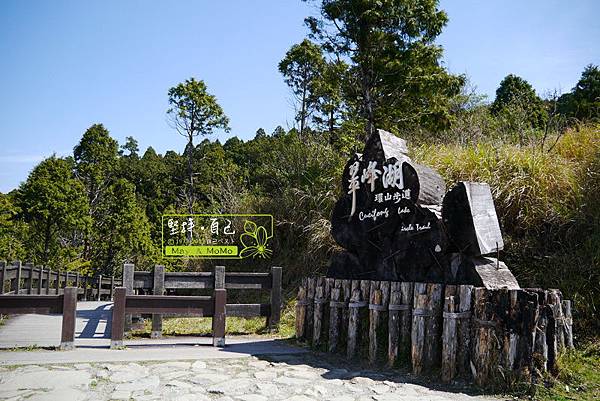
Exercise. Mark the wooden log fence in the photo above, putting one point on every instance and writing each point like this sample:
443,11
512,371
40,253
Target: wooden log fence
459,330
18,278
65,304
159,282
206,306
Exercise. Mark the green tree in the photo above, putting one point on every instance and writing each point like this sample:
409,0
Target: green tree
96,158
583,102
131,146
123,233
302,65
329,96
396,78
12,229
194,112
517,99
54,204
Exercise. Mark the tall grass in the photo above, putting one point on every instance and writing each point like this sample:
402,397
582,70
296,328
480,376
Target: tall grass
549,208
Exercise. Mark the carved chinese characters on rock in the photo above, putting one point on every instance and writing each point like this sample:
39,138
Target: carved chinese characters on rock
389,221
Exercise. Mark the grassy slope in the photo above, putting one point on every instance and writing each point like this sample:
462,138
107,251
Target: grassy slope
579,377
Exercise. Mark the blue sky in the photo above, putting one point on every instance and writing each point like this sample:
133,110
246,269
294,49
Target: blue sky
65,65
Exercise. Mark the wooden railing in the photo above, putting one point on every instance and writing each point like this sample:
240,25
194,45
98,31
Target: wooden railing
17,278
206,306
158,282
65,304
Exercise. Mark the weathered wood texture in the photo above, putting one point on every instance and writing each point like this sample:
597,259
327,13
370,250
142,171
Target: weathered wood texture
456,331
207,306
399,321
426,326
378,310
26,278
489,335
172,282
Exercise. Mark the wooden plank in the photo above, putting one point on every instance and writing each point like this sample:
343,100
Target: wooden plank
219,316
248,310
67,340
22,304
179,281
256,281
118,318
159,289
193,306
276,277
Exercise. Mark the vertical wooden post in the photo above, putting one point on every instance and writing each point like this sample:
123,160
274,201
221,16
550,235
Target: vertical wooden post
568,324
99,293
17,285
40,280
66,283
426,326
2,275
321,298
57,281
310,307
335,315
275,316
556,302
378,304
112,287
219,316
128,275
219,277
29,268
118,318
394,322
67,340
48,281
346,294
358,315
456,331
158,289
449,340
301,310
77,281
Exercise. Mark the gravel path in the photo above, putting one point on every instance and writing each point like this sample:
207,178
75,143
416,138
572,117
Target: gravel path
285,377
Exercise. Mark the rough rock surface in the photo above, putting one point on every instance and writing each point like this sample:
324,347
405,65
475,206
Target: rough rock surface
289,377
